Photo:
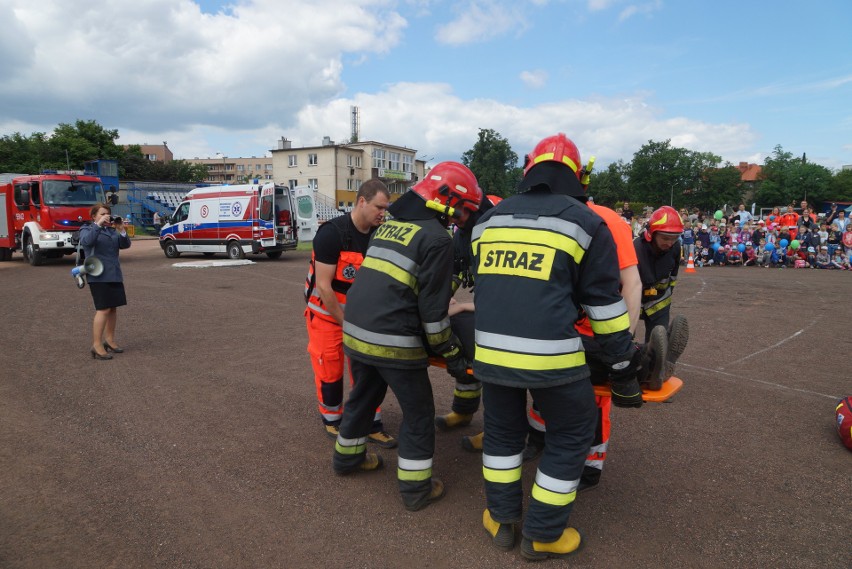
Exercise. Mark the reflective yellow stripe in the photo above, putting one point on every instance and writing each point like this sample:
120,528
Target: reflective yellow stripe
659,306
610,326
389,352
501,476
529,361
357,449
549,156
392,271
552,498
440,338
467,394
552,239
413,475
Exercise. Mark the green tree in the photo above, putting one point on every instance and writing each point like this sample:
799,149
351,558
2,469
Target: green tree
841,186
718,186
664,174
792,179
609,187
494,163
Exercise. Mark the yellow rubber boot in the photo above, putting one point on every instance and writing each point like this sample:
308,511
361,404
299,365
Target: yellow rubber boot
570,542
474,443
452,420
502,535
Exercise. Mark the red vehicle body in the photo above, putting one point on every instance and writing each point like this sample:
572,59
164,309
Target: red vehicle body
41,215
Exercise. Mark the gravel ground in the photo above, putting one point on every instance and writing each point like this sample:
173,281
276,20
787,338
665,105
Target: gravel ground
201,447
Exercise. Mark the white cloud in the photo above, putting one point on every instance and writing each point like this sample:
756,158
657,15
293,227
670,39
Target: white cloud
445,125
534,79
645,8
481,20
162,64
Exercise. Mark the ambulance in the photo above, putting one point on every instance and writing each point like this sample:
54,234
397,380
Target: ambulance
235,220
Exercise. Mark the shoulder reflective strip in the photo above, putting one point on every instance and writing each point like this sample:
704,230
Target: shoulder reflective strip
413,475
316,308
409,464
502,462
611,326
436,327
394,257
384,352
605,312
527,345
392,271
381,339
529,362
554,224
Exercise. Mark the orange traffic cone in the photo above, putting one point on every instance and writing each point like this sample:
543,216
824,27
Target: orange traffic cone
690,265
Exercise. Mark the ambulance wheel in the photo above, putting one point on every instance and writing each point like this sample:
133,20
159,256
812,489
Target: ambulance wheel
235,250
171,250
30,254
274,254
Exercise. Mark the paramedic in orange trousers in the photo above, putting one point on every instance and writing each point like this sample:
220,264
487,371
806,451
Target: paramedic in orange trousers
338,250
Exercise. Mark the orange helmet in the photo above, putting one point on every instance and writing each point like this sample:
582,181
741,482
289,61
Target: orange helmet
665,219
449,186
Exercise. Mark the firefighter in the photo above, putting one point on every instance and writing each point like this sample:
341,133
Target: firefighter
396,310
467,392
338,250
538,258
659,261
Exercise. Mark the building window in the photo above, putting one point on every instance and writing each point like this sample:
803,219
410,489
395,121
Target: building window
267,167
293,160
350,160
269,176
312,183
339,205
312,159
257,167
293,183
378,158
407,163
350,185
151,157
240,167
393,161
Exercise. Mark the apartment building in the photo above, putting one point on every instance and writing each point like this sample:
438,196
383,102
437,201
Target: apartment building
224,170
336,171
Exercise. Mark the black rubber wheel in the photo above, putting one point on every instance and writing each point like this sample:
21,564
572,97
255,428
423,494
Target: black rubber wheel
30,254
171,250
235,250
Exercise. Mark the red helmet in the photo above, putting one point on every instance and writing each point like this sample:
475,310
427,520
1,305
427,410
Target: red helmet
665,219
556,148
494,199
449,186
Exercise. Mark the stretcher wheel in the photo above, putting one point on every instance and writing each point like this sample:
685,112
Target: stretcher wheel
670,386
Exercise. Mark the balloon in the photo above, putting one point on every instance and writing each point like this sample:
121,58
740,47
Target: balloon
795,244
771,218
740,247
770,246
783,243
715,247
718,214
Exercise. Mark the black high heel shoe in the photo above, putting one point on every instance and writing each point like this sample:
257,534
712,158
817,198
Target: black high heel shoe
97,356
109,348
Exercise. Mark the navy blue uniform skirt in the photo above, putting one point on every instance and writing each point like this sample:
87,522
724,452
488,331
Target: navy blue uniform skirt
108,295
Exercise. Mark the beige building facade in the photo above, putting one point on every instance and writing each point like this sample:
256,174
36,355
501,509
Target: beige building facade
224,170
337,171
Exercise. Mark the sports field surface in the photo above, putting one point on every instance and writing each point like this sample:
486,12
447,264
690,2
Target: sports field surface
201,446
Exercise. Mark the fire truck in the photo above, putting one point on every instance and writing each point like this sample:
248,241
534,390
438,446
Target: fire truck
41,215
235,220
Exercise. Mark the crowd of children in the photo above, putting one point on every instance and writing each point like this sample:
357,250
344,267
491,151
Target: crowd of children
782,238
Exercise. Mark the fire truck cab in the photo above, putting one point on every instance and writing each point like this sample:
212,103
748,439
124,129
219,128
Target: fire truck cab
41,215
236,220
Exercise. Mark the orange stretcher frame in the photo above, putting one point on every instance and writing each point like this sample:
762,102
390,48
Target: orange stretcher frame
670,386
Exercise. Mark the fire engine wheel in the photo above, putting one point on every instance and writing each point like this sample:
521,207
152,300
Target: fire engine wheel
235,250
274,254
171,250
30,254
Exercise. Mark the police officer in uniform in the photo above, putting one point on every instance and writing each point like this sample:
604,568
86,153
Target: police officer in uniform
538,257
396,309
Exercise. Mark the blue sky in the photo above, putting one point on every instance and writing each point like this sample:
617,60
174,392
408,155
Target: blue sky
734,78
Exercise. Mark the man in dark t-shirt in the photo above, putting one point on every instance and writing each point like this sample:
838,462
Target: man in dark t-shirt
339,247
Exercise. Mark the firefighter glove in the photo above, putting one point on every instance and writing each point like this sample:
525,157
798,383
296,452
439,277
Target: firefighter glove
625,388
457,366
